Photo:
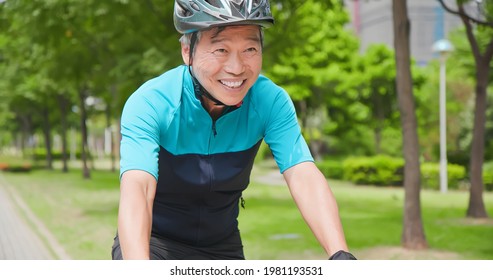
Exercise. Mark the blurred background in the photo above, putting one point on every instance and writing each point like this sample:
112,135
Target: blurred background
68,66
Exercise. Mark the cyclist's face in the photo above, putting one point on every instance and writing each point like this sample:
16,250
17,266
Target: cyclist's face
227,62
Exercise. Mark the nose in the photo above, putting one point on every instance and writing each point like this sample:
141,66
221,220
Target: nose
235,64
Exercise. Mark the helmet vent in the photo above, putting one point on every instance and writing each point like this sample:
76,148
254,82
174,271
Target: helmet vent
214,3
182,11
224,17
256,3
195,6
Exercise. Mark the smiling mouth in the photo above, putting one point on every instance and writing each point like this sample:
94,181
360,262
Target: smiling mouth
229,84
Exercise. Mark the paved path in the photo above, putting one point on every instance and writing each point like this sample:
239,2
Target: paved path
269,176
18,240
273,178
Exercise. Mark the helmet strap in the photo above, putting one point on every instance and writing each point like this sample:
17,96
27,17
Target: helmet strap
199,89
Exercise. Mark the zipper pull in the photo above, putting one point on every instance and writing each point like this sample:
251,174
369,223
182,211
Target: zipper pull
242,202
214,128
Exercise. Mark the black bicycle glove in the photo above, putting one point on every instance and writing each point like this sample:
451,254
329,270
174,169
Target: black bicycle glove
342,255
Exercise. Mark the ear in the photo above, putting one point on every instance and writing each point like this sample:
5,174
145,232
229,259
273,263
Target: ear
185,53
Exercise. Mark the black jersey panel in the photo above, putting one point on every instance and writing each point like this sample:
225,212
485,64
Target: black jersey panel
197,195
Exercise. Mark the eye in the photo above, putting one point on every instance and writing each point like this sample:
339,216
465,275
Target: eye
220,51
251,50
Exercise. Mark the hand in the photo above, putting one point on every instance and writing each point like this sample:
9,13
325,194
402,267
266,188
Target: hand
342,255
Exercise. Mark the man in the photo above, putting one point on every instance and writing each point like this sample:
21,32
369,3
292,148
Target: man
189,138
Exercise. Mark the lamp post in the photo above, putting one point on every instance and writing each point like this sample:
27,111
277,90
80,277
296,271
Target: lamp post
443,47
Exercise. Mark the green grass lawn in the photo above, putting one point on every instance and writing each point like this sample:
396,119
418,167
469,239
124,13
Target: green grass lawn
82,214
373,217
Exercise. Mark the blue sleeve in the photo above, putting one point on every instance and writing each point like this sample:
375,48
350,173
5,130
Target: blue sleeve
140,131
283,134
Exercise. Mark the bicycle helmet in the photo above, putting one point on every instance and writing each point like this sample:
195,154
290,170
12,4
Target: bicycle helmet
194,15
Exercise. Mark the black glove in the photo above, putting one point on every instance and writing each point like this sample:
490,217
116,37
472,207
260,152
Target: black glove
342,255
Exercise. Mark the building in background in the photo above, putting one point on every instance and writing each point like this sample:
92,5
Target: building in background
372,22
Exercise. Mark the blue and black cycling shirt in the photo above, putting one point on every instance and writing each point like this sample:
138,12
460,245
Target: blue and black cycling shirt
202,166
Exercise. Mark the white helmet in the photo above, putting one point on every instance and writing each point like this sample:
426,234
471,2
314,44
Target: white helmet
195,15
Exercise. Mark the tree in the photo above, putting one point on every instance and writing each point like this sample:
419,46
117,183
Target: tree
482,49
90,49
308,53
459,128
381,81
413,235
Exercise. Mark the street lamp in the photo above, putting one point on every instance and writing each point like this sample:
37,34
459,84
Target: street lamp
443,47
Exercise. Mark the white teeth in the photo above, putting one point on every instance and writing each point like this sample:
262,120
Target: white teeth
232,84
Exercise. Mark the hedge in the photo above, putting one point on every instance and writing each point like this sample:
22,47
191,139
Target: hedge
430,175
40,154
388,171
379,170
331,169
488,175
15,167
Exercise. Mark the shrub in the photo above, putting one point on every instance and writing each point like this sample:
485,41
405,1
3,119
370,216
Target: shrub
14,164
3,166
19,168
488,175
430,175
388,171
15,167
379,170
40,154
459,157
331,169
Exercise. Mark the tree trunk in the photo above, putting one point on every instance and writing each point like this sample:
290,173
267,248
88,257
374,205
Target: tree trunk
482,61
304,115
63,106
113,92
118,138
86,174
413,236
108,126
47,136
26,131
476,208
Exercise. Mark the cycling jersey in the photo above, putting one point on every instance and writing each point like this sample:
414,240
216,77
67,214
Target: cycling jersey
201,165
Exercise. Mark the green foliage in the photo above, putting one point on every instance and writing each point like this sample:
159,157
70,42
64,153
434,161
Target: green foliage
40,154
391,143
388,171
309,47
460,112
461,158
309,52
72,49
332,169
430,175
488,175
379,170
15,168
13,164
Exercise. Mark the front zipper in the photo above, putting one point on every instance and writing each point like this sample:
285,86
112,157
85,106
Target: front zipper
224,112
214,131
